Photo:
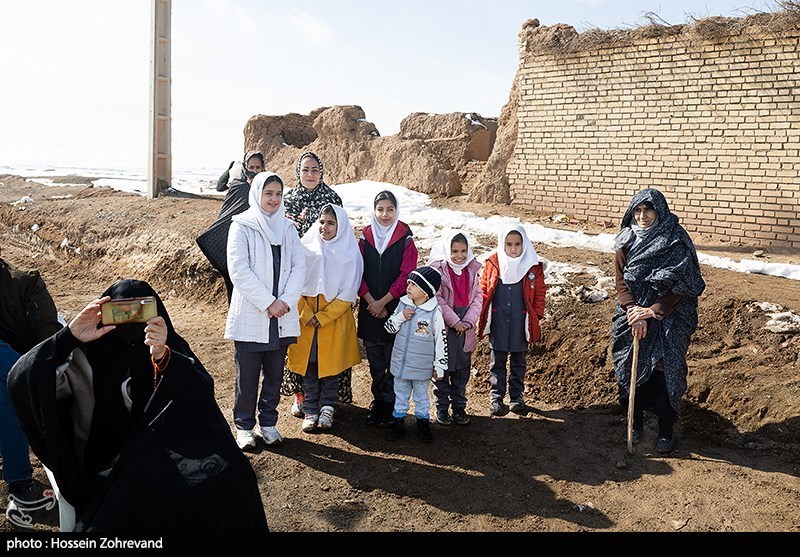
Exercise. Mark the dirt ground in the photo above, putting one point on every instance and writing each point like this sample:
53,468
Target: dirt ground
561,468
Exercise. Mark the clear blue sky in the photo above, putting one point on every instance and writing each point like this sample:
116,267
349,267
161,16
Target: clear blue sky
75,84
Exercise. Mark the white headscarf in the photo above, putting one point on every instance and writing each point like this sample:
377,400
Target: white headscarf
513,270
383,234
273,226
333,267
441,250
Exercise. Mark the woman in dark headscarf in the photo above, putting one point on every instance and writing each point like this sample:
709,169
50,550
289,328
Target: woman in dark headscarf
658,282
124,419
304,202
310,193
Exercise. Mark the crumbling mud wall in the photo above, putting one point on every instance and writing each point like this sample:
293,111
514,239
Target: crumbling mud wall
708,112
492,184
430,154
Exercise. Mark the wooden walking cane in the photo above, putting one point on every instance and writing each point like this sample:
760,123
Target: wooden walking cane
632,393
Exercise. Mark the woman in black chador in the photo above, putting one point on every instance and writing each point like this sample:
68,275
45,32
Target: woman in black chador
125,421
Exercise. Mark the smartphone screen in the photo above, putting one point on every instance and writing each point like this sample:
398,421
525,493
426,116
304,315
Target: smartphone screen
129,310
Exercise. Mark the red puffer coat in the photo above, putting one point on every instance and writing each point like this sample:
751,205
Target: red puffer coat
533,292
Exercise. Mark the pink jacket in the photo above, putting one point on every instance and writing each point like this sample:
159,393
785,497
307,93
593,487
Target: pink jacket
445,296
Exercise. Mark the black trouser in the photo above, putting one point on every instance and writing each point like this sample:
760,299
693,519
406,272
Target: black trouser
379,356
250,366
500,377
654,397
319,391
451,390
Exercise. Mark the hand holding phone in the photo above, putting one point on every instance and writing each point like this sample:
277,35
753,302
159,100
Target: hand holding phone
129,310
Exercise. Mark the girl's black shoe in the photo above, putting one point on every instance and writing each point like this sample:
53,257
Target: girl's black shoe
375,412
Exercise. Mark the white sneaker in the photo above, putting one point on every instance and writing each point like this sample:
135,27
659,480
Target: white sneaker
297,405
325,418
309,423
271,435
245,439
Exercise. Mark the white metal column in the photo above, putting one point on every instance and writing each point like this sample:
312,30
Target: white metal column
159,165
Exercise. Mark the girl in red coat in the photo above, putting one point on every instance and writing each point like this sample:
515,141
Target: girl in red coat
513,288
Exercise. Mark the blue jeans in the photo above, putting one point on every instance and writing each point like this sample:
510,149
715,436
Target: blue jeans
405,389
13,444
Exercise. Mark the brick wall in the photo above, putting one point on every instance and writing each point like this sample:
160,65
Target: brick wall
715,125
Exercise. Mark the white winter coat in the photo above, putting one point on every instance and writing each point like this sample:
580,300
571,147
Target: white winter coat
250,267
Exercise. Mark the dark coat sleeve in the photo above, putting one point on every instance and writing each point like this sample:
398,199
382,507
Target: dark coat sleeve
28,314
222,181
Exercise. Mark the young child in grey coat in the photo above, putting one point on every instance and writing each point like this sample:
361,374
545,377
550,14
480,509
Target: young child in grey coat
419,353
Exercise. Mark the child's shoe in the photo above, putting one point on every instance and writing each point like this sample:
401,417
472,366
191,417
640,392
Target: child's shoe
309,423
518,407
396,430
497,408
297,405
325,420
443,417
386,418
424,430
245,439
374,412
460,416
271,435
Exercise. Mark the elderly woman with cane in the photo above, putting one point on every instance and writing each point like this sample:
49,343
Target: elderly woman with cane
658,283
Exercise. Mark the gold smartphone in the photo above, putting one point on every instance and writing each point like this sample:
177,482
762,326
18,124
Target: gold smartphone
129,310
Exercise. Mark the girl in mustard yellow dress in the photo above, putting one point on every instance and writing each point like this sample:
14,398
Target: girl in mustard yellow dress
327,345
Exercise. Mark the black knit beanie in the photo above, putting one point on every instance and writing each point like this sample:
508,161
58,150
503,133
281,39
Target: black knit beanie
427,278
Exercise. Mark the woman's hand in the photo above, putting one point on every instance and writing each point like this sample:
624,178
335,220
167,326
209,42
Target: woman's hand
155,336
638,313
639,329
637,319
314,322
461,327
84,325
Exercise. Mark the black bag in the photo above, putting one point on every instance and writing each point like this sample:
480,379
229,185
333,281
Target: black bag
214,243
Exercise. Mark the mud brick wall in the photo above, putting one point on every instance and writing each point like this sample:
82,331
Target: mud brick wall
715,125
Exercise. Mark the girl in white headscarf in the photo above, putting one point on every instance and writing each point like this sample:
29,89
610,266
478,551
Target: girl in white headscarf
460,299
513,304
327,345
267,267
390,254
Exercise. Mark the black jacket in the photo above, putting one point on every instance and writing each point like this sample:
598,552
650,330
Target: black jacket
27,312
